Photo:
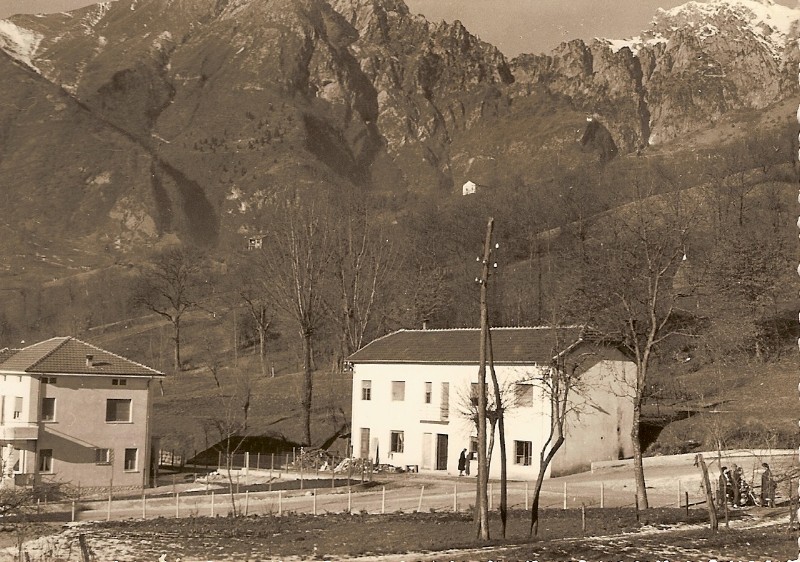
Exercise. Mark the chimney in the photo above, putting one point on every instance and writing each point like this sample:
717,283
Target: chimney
89,359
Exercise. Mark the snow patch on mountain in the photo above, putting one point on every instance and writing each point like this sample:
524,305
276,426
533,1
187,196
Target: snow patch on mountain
19,42
771,23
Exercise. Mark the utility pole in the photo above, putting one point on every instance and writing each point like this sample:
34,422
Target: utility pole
482,501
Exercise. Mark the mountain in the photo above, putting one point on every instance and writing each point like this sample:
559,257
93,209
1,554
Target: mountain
133,120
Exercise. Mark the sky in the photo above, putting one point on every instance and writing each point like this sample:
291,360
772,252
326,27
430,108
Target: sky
514,26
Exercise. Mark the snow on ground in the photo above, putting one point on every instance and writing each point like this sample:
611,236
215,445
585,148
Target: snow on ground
19,42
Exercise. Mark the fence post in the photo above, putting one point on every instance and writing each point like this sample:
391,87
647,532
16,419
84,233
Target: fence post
212,504
455,498
583,518
258,461
565,495
271,465
73,511
246,502
108,509
349,500
177,504
144,505
383,500
687,503
280,502
421,493
602,495
314,502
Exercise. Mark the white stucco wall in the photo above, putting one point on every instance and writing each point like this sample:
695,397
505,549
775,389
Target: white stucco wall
596,433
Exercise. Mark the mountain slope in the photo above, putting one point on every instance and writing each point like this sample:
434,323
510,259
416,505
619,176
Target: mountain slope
234,101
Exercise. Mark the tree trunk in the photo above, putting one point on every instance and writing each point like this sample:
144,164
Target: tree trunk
308,384
638,467
262,350
177,323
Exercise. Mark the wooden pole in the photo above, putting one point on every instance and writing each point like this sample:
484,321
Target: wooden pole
383,500
583,518
280,502
177,504
212,504
314,501
421,493
712,512
144,505
349,501
246,502
73,511
602,495
565,495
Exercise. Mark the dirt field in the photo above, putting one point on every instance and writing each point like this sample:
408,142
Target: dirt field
611,534
612,531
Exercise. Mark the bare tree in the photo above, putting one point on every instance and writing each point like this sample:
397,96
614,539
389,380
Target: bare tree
230,422
294,258
170,286
627,287
561,386
363,262
250,281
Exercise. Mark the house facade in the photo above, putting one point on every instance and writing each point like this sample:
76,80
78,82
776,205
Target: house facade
414,399
73,413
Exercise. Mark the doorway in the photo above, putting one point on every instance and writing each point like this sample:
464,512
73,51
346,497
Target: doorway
441,451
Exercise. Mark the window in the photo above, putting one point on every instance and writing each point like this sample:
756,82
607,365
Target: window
397,442
17,407
524,395
473,447
48,409
398,391
46,460
119,382
523,451
131,456
428,392
102,456
49,380
366,390
118,410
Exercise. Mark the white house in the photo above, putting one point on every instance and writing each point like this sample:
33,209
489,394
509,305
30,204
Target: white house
412,391
469,188
71,412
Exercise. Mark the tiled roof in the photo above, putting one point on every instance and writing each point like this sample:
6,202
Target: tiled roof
67,355
462,346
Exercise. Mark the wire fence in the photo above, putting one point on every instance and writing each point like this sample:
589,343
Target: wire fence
321,496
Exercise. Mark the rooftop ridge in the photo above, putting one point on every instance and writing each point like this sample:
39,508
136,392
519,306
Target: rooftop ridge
465,329
118,356
64,339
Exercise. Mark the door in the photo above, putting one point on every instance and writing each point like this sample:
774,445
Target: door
364,447
427,448
441,451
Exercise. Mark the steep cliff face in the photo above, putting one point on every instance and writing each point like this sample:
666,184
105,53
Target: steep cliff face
696,63
232,101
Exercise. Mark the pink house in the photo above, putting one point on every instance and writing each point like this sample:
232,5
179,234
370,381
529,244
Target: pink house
73,413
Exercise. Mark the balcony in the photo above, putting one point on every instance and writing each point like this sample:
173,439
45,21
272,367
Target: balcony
19,431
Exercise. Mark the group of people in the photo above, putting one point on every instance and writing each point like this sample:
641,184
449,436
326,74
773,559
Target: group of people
733,486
